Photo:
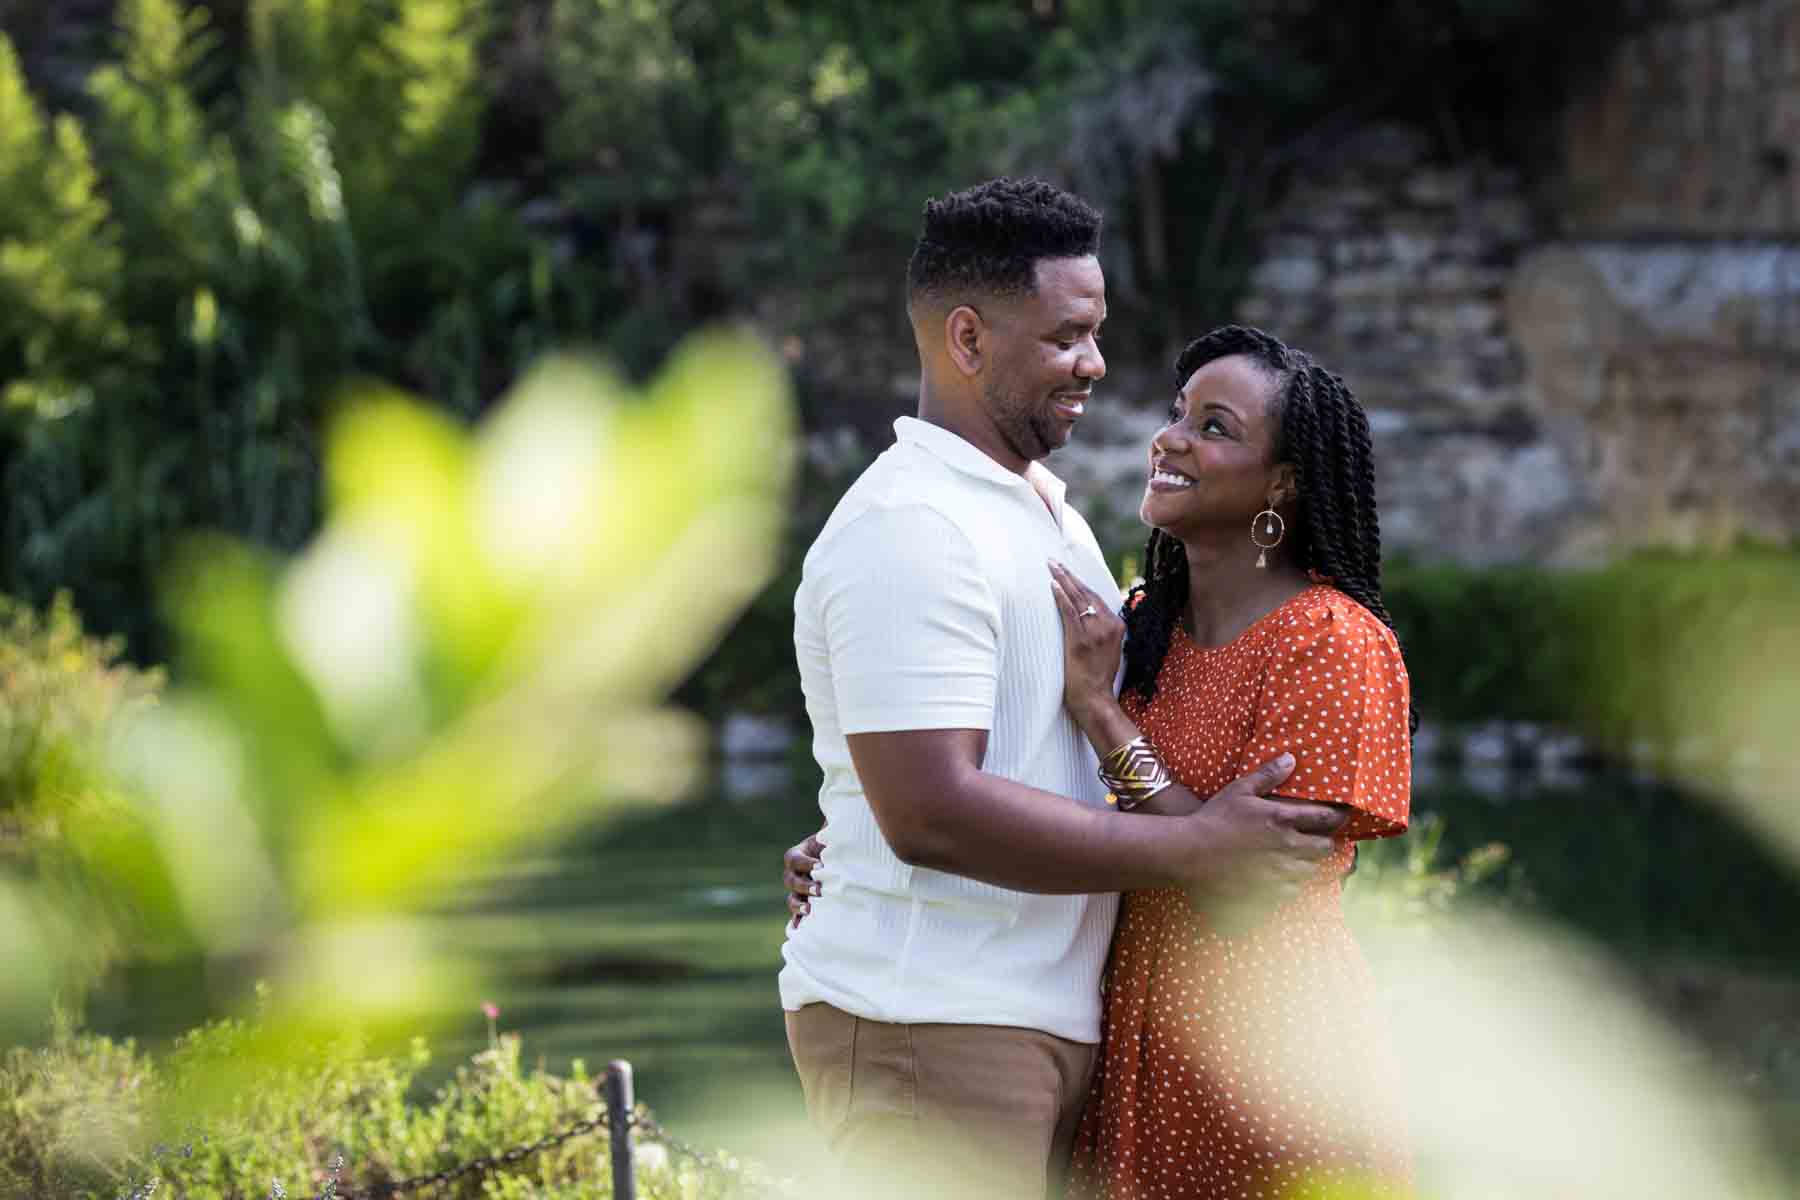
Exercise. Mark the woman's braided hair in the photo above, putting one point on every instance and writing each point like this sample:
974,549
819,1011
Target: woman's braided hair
1322,429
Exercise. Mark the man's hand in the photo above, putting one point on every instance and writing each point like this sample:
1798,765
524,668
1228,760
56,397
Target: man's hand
796,875
1253,850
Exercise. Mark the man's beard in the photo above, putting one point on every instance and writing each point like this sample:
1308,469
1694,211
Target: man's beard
1025,426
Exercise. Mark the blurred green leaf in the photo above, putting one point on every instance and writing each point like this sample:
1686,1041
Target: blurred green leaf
470,656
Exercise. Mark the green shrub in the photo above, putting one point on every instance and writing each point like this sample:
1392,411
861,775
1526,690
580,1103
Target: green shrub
78,1120
62,694
1406,883
1652,649
231,230
1484,644
61,691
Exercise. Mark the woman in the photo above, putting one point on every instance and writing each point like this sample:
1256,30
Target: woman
1243,1055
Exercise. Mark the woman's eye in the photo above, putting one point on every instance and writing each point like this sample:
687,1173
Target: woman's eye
1211,425
1174,413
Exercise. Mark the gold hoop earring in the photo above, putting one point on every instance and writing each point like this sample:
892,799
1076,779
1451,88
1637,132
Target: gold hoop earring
1269,518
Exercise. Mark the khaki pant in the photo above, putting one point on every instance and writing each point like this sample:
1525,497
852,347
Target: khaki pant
940,1112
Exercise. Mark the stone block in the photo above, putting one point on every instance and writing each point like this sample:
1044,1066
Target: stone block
1409,249
1296,273
1505,216
1735,36
1785,36
1329,219
1353,253
1559,305
1367,283
1467,498
1439,187
1470,245
1358,199
1293,243
1460,276
1375,317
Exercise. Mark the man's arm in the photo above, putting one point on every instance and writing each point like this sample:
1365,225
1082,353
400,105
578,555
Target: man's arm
938,809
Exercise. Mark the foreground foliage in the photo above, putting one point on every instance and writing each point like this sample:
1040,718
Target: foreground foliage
76,1123
473,654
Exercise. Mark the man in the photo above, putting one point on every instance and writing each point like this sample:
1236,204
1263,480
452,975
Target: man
942,994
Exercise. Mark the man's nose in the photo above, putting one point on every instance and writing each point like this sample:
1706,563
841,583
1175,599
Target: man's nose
1092,365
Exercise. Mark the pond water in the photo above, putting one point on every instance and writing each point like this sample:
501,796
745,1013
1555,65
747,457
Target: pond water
657,939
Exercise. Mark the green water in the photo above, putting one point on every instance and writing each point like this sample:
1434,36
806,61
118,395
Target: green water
657,939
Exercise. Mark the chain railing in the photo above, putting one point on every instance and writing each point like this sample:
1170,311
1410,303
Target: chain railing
619,1115
484,1164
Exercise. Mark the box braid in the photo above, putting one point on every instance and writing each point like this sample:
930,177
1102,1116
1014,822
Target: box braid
1323,430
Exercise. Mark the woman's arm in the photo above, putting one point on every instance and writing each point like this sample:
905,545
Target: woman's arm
1093,637
1107,727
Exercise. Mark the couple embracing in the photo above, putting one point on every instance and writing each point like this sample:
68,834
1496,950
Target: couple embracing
1077,924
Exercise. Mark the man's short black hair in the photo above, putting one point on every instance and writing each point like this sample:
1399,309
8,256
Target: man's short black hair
988,239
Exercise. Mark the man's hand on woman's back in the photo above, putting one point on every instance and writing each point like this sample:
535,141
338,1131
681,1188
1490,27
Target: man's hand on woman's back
797,875
1253,848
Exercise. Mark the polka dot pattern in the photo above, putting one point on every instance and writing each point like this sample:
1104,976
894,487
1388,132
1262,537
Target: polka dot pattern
1257,1064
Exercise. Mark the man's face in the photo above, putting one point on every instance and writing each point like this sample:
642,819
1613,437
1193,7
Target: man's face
1046,356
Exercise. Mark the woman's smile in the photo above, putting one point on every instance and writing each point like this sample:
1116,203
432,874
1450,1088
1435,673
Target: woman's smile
1162,479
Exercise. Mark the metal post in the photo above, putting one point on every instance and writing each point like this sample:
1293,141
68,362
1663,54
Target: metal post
619,1106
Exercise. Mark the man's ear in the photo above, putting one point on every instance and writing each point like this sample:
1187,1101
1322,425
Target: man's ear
966,339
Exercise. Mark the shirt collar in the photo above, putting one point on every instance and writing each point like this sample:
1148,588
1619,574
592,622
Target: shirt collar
957,452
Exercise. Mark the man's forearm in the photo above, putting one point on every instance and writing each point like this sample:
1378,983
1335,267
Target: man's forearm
1004,833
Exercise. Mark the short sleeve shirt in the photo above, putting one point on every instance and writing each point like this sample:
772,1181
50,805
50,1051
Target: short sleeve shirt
925,603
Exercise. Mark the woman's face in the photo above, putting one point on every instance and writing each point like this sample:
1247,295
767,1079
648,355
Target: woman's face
1211,466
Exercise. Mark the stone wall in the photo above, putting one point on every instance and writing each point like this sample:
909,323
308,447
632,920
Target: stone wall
1393,271
1670,373
1558,368
1662,328
1694,126
1560,365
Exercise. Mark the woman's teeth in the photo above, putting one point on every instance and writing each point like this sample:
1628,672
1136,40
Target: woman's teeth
1171,479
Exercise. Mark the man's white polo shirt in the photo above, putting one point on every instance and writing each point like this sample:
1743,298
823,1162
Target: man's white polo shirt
925,604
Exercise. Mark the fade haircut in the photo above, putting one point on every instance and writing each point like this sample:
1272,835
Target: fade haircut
987,240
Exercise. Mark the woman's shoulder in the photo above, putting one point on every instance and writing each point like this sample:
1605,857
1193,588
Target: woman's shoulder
1322,612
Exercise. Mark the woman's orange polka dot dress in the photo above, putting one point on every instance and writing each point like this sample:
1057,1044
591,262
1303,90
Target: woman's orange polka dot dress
1255,1063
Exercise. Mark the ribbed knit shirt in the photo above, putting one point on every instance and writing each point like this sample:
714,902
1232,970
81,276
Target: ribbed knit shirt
925,603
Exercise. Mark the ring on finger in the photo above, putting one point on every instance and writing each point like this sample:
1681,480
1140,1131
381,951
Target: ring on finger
1089,611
